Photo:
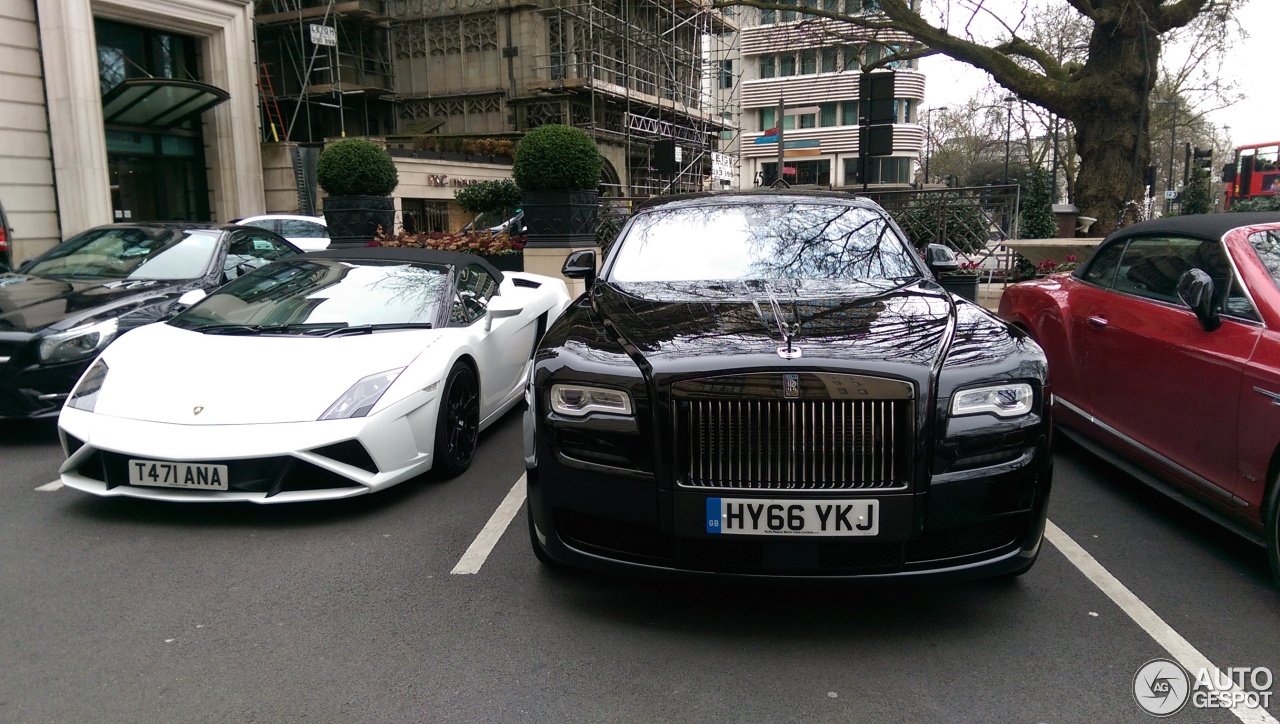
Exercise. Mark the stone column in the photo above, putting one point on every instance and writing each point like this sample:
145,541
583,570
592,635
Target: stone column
70,51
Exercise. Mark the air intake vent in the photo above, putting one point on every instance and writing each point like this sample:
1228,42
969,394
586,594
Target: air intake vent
529,283
349,452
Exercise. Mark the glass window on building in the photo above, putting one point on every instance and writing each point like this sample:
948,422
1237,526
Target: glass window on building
880,171
787,64
808,120
874,52
849,113
788,16
798,172
156,172
766,66
852,57
768,17
830,60
419,215
831,6
726,74
808,61
827,115
767,118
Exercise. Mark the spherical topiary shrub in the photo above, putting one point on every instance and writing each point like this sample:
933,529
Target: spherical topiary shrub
557,157
356,167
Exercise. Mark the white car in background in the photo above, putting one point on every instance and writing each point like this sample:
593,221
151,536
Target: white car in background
328,375
308,233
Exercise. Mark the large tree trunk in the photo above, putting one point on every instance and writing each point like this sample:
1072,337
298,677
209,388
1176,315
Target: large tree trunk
1108,109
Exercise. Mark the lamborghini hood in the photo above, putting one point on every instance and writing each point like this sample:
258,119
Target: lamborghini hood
160,373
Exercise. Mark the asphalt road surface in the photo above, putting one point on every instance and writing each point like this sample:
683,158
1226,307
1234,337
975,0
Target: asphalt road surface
124,610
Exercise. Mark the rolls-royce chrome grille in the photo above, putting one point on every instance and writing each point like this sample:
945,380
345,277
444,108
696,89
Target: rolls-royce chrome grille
756,443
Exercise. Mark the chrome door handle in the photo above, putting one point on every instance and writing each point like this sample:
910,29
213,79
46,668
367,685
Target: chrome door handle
1275,398
1098,322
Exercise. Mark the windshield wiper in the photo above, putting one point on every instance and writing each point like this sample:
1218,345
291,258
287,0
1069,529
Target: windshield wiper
302,328
371,328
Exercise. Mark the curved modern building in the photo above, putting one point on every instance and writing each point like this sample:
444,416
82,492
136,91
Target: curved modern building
813,66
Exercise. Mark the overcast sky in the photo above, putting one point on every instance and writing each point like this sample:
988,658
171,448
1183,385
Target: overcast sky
1254,63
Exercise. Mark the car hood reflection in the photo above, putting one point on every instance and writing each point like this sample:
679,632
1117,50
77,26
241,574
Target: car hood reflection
735,325
31,303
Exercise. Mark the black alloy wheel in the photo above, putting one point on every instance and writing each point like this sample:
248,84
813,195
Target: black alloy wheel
1271,530
459,425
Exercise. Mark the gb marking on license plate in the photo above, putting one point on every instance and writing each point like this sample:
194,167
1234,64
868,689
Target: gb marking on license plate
754,516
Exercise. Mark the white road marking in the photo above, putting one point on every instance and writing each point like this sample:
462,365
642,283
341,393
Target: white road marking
1173,642
50,487
483,545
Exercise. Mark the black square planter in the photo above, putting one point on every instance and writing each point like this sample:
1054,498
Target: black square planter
561,218
354,221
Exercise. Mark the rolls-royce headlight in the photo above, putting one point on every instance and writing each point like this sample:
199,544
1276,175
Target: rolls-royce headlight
578,400
85,395
1007,400
78,343
363,395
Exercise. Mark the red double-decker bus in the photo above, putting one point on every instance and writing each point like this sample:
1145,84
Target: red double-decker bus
1254,172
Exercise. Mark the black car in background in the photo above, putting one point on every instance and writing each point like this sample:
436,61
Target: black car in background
65,306
775,385
6,242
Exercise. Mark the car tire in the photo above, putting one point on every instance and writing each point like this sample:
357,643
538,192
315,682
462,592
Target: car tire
458,422
1272,531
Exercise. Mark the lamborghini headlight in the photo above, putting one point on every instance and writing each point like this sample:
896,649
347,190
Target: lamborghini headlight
363,395
1012,399
578,400
78,343
85,395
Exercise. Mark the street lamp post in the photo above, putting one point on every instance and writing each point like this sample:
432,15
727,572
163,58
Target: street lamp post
1053,175
1008,127
928,139
1173,141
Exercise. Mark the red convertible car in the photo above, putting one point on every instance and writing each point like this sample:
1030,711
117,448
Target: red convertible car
1164,354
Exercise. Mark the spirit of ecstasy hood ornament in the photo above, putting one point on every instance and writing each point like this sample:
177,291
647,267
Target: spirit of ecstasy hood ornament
788,331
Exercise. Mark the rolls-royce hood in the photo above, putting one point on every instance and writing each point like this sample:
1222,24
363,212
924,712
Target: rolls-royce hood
683,329
32,303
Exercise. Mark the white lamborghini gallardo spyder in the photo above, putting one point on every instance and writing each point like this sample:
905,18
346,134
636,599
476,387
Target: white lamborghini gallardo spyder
326,375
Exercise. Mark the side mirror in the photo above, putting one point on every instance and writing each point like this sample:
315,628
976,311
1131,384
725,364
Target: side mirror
1195,289
500,308
191,298
940,259
581,265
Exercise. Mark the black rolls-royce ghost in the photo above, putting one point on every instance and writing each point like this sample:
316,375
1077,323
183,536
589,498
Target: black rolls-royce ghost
774,385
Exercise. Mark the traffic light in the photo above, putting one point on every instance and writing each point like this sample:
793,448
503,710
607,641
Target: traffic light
1149,180
1203,157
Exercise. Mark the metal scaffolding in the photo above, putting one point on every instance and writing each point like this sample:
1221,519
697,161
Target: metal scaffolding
638,72
324,68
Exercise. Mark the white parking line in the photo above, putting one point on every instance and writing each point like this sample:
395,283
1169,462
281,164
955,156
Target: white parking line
50,487
1173,642
480,548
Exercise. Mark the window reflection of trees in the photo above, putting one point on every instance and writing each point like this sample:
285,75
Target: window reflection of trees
422,285
1267,246
804,240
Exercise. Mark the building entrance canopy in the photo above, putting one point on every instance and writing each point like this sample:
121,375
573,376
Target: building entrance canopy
158,103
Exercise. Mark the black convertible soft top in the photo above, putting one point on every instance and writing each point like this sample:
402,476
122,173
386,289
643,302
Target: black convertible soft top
410,254
1205,226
